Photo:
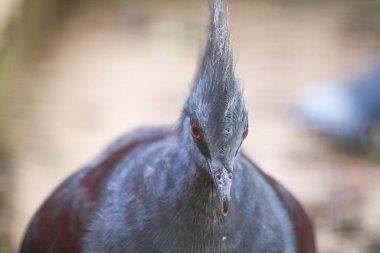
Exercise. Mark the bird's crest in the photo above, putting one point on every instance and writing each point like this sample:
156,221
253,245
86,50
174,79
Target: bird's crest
215,85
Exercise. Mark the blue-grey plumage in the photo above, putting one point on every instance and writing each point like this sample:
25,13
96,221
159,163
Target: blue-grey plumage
216,107
184,189
165,203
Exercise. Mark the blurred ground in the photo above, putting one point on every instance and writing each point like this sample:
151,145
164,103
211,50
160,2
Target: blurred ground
109,68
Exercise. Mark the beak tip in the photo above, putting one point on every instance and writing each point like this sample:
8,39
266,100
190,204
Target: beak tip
225,208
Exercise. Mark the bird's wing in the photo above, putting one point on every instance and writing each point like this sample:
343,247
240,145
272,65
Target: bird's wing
58,225
302,224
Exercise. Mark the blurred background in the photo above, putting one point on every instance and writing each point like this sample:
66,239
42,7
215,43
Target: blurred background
76,74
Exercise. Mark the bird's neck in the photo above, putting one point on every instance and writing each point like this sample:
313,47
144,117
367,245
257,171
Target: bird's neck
198,194
199,185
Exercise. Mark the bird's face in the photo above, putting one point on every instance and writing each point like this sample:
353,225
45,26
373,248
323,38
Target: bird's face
215,135
214,120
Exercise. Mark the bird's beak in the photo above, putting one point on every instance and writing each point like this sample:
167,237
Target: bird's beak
222,177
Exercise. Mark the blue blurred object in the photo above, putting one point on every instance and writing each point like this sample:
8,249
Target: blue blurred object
344,110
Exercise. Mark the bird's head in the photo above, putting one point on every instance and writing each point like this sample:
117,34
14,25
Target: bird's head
214,120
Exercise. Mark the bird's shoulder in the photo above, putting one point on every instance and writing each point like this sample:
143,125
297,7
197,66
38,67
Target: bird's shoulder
302,224
62,217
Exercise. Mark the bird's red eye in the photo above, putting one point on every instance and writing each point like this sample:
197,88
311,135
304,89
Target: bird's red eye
195,132
245,134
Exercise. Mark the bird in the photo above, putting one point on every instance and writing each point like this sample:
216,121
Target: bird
181,188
